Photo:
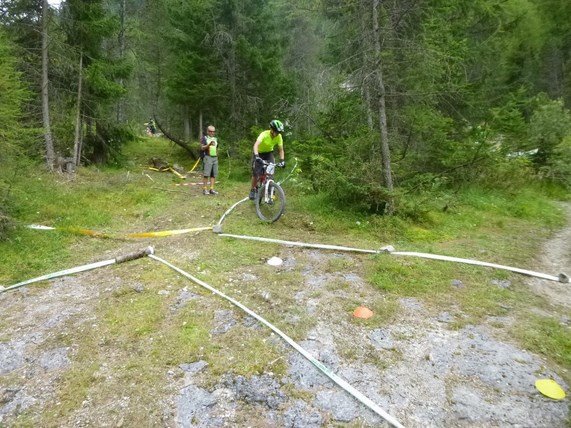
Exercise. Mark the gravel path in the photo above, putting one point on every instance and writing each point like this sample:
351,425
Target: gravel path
419,369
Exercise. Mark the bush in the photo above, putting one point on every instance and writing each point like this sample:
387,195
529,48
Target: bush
504,174
558,170
104,146
549,125
353,185
6,225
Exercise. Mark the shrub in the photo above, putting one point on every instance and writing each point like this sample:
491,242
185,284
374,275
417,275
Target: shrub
558,170
549,125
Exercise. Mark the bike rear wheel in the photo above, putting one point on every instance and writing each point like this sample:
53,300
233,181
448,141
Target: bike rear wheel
270,205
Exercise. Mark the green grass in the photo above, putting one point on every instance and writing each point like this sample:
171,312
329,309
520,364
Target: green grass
546,336
138,336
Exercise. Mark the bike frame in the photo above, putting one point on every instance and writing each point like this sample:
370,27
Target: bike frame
265,179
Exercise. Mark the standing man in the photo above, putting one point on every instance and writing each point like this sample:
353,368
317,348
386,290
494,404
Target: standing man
209,146
263,150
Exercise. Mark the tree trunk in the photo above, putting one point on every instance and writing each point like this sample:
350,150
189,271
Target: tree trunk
77,142
120,102
200,134
385,149
233,90
50,153
186,124
367,97
100,148
157,97
182,144
80,145
365,85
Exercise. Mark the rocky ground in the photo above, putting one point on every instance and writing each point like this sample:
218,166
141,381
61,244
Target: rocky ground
418,369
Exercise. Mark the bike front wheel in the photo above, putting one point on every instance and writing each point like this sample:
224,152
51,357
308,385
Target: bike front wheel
270,202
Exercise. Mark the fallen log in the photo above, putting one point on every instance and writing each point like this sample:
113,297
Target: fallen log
178,142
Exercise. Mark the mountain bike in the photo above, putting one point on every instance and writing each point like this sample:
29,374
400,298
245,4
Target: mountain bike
270,198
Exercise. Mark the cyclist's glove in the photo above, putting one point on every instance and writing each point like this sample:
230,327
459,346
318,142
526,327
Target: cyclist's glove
281,163
259,159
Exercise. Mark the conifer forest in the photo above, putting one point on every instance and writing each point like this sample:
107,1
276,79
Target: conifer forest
380,98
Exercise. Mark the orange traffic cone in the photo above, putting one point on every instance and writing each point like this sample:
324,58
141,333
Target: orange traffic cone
363,312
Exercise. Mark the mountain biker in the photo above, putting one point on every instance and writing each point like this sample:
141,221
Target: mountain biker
209,147
263,151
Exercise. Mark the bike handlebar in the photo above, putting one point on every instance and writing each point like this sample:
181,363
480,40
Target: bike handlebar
265,163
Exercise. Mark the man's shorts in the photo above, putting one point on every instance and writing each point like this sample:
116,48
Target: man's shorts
257,167
210,166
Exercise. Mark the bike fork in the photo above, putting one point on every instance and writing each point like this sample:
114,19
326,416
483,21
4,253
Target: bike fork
268,192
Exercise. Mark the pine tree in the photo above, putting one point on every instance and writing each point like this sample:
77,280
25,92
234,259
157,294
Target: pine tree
89,28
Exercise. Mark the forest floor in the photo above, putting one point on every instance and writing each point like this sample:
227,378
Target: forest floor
419,368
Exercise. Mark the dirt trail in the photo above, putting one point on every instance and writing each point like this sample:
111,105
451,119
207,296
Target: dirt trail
556,254
419,369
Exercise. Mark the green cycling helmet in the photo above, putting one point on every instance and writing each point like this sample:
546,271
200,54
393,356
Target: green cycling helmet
277,126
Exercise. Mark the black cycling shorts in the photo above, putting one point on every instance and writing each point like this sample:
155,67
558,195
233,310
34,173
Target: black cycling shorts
257,167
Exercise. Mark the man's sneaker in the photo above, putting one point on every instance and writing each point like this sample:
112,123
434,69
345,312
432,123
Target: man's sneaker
205,192
213,192
252,194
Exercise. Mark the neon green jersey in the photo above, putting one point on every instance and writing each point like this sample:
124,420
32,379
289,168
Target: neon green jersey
267,143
